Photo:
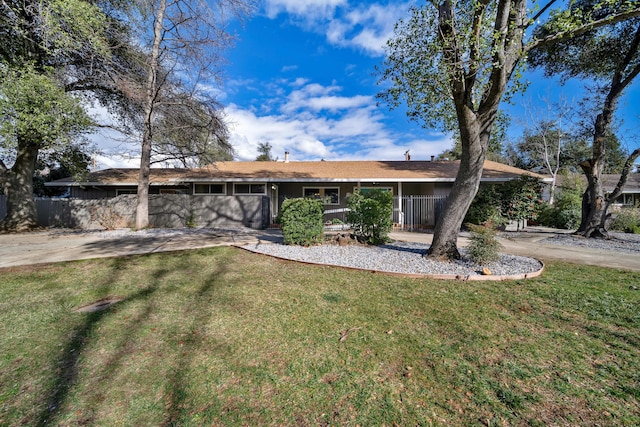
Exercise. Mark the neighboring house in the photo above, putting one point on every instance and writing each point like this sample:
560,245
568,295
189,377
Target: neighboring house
630,193
251,193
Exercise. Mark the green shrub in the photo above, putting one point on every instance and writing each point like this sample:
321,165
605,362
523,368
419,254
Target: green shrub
370,215
483,245
627,220
514,200
485,206
302,221
567,211
521,198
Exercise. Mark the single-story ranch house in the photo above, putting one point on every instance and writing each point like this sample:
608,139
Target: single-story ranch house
251,193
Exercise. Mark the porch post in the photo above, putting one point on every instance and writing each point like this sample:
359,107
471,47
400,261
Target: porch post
274,201
401,213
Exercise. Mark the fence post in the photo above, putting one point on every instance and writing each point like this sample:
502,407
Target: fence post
411,218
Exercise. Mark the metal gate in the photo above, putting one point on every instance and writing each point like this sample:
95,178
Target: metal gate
417,212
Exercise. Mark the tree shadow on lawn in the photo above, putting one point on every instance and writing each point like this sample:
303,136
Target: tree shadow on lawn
68,366
177,239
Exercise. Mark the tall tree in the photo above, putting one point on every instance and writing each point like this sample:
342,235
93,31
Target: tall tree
185,44
38,40
545,138
611,57
541,147
451,63
264,148
494,149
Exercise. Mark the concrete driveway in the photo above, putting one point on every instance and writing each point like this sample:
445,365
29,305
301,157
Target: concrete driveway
533,243
68,245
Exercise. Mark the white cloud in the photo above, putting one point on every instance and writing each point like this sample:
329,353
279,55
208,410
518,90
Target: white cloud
310,10
367,28
117,161
299,82
361,26
354,129
309,120
316,98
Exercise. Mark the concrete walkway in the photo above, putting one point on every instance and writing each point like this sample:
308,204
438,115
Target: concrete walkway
65,245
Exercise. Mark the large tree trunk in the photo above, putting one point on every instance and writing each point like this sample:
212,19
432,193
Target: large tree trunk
594,215
18,189
474,121
142,207
595,203
474,142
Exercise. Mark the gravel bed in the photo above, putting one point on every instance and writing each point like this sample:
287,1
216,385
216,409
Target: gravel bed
398,257
622,242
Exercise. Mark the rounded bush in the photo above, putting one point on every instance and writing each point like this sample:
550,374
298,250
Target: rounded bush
370,214
302,221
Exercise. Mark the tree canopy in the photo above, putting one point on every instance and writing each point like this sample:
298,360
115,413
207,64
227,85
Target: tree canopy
452,63
610,57
43,45
184,40
264,148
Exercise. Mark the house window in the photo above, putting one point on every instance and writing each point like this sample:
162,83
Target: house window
171,191
365,190
120,191
328,195
212,188
240,189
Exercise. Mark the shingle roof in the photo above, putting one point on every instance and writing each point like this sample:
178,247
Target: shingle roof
632,185
609,182
331,171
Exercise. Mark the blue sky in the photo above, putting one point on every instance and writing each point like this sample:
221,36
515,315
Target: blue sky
302,77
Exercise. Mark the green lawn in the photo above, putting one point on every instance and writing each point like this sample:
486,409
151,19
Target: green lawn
226,337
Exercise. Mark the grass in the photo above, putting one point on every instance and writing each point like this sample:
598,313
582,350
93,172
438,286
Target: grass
225,337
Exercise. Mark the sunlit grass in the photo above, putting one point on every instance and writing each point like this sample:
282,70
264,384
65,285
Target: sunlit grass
226,337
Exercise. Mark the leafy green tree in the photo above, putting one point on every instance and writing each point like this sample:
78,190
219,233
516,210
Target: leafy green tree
580,148
72,161
35,114
264,148
610,56
451,64
486,207
57,47
515,200
521,198
565,213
